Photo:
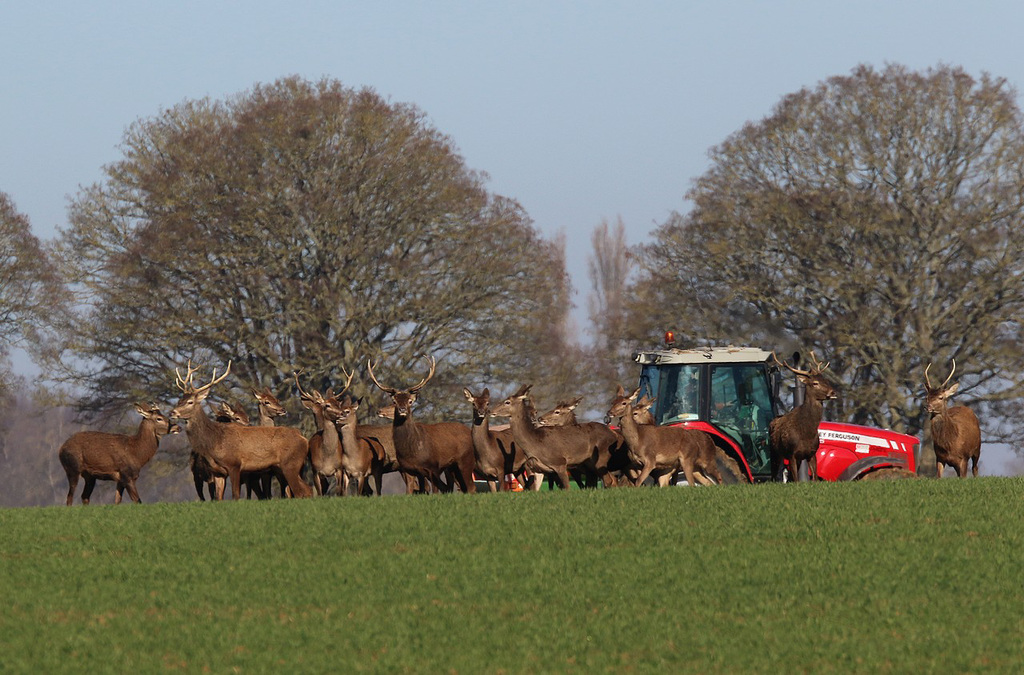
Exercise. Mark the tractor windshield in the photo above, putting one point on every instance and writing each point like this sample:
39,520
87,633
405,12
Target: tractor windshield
677,390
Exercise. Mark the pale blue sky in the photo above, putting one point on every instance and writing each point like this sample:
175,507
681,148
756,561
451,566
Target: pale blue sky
582,111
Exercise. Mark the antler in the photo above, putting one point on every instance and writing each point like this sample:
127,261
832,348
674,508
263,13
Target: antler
184,383
316,398
796,371
348,381
387,390
214,380
416,388
818,366
928,383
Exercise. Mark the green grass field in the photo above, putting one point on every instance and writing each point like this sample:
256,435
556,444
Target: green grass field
903,576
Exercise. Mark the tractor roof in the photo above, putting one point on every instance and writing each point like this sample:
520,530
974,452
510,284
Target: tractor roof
703,355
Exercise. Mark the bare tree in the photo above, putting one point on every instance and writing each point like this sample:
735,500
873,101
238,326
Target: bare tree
874,217
301,225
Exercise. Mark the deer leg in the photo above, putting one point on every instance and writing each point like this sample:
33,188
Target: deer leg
72,484
133,492
118,492
961,468
688,472
645,471
220,485
974,466
812,467
235,474
90,483
938,469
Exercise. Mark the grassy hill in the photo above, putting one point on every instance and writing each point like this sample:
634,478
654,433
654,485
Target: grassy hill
915,575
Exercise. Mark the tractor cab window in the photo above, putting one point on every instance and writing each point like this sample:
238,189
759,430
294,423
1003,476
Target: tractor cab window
741,406
677,389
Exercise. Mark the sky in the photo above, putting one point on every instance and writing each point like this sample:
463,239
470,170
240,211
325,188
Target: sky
582,111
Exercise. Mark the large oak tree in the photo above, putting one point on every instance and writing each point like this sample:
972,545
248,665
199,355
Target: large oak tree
875,218
304,225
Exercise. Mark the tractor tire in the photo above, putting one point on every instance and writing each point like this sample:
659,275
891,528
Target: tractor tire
729,468
888,474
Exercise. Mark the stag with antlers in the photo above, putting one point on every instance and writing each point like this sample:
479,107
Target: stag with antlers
429,450
794,436
956,434
233,448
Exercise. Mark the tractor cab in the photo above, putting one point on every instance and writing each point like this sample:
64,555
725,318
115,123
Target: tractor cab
732,393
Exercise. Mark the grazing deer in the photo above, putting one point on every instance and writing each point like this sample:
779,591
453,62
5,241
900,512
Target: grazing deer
555,449
325,444
664,451
428,450
234,448
496,453
794,436
96,455
956,434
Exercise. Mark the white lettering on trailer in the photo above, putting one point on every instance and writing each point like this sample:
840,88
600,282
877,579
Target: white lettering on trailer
860,439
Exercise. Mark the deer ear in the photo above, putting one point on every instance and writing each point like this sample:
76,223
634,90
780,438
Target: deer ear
468,393
486,393
636,392
951,390
142,410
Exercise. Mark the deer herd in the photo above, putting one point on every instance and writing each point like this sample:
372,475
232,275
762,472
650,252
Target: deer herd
343,455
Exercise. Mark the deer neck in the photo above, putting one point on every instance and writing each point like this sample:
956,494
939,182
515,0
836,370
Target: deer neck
203,433
628,426
146,442
265,418
810,411
522,425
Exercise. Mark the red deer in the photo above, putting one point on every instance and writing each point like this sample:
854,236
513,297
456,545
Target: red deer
956,434
612,445
428,450
365,448
664,451
234,448
96,455
496,453
325,444
794,436
558,449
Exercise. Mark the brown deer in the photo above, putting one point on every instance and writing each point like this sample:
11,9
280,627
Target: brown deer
496,453
612,448
428,450
234,448
794,436
956,434
96,455
555,449
364,447
664,451
325,444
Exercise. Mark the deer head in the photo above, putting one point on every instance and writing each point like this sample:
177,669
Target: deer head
268,402
817,386
192,396
481,404
231,412
937,396
152,413
621,400
562,414
402,398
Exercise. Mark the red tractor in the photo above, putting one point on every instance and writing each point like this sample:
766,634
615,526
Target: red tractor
732,393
